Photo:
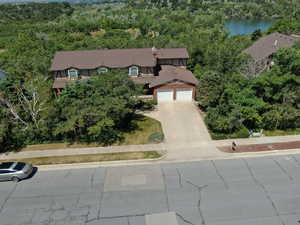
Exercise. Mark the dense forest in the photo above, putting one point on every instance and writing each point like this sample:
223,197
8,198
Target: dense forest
250,9
233,104
33,12
68,1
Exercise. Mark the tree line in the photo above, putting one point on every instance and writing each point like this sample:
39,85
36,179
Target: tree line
238,9
33,12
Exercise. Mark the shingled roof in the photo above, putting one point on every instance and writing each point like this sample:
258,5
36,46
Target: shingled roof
266,46
114,58
172,73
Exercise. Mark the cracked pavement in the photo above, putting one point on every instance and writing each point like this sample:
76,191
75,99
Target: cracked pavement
258,191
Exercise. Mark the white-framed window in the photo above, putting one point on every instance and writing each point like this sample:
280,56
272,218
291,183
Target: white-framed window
133,71
102,70
73,73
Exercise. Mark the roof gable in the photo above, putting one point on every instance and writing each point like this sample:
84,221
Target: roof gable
170,74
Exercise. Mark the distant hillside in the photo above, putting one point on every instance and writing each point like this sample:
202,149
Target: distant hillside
33,12
69,1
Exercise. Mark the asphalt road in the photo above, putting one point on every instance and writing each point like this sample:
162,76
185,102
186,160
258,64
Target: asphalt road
253,191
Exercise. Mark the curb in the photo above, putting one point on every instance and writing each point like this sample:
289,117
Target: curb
163,160
239,156
101,164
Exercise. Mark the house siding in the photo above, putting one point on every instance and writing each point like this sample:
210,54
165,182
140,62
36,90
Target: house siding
173,62
64,73
255,68
146,70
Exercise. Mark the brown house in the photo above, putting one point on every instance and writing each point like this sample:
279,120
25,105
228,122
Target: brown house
262,50
162,71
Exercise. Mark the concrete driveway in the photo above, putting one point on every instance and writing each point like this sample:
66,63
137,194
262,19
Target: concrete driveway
181,123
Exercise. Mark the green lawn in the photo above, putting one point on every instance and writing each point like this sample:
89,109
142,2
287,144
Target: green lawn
89,158
145,127
282,132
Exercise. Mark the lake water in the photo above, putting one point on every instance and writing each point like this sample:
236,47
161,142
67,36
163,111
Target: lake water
236,27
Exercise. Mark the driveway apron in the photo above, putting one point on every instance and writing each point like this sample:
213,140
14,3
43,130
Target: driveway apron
181,122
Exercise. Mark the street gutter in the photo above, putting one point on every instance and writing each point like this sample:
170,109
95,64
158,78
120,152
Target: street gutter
163,160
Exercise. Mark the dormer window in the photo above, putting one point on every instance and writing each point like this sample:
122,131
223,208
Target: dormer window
133,71
73,74
102,70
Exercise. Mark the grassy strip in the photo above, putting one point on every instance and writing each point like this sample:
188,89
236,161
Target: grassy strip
145,126
69,159
282,132
54,146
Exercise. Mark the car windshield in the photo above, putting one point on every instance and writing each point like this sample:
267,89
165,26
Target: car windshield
19,166
6,165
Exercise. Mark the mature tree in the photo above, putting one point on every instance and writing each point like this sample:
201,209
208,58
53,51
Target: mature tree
97,109
210,88
225,56
288,59
257,34
11,136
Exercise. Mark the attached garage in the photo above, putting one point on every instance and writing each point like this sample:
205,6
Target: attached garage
174,92
174,84
184,94
165,95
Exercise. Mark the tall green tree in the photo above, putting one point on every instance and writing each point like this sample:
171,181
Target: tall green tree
97,109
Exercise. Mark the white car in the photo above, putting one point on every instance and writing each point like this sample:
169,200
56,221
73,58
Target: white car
15,171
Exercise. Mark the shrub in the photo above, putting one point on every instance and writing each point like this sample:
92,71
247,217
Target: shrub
242,133
156,137
146,104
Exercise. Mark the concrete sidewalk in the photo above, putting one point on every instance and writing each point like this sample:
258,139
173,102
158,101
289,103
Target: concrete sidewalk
83,151
175,152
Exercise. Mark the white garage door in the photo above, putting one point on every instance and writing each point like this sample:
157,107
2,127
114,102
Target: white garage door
164,95
184,94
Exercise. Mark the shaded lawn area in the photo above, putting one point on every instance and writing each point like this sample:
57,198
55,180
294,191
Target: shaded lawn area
69,159
144,127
